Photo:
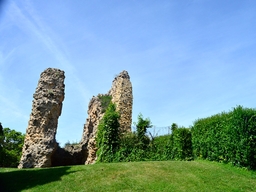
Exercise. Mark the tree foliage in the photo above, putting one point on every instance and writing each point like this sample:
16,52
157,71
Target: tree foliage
1,142
174,127
225,137
11,148
176,146
181,144
1,135
141,129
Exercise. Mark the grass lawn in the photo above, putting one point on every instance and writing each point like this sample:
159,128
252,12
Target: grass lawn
135,176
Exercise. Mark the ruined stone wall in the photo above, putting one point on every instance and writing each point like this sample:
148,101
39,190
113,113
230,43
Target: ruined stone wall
121,93
40,148
85,151
88,142
40,142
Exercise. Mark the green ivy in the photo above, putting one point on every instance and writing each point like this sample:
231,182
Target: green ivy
105,101
107,138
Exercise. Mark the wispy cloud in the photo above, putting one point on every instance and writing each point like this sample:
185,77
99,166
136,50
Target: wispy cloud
10,107
8,100
29,21
4,57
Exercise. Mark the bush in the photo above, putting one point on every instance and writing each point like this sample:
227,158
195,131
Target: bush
135,146
227,137
141,129
177,146
130,149
181,143
161,148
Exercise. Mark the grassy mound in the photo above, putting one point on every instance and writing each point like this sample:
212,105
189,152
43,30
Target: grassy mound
135,176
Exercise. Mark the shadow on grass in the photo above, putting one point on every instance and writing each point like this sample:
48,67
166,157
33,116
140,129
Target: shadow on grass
18,180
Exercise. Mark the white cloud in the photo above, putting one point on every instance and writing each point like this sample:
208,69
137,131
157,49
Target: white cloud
30,22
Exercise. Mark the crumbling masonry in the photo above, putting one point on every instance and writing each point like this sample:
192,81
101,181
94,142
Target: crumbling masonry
121,93
40,147
40,143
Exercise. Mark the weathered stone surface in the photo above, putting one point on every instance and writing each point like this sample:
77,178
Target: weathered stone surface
40,147
92,149
95,114
121,93
40,142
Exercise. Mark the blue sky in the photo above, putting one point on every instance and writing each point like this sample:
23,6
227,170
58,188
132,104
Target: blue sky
186,59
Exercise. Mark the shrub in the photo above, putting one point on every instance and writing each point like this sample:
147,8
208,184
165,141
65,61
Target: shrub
130,149
135,146
141,129
181,143
161,148
177,146
227,137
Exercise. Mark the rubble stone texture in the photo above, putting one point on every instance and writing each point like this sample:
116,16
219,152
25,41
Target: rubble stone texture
40,142
121,92
88,142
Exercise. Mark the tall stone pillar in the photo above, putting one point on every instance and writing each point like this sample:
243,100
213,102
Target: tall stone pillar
121,92
40,142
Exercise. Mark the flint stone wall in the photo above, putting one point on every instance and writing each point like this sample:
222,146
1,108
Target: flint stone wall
40,147
121,93
40,142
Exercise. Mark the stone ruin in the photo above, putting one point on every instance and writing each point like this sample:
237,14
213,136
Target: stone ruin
121,93
40,143
40,147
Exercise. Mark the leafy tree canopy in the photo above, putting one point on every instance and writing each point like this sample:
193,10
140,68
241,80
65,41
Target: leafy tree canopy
1,135
141,129
11,149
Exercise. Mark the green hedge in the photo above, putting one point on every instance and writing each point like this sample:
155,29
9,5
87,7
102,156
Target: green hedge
181,144
227,137
161,148
177,146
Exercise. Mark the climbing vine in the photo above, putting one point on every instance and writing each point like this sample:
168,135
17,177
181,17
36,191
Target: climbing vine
107,137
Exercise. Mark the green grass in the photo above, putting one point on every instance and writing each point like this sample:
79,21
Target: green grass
135,176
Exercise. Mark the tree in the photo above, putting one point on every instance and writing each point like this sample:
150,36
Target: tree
174,127
107,138
1,135
1,141
11,148
141,129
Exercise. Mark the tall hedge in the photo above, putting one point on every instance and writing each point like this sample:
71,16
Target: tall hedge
181,144
227,137
176,146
